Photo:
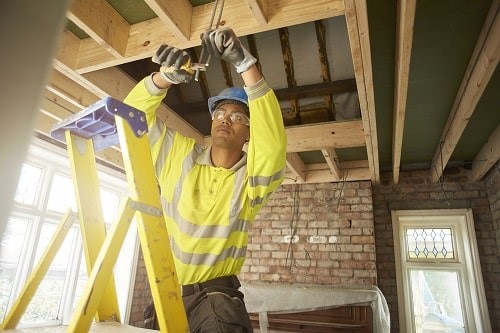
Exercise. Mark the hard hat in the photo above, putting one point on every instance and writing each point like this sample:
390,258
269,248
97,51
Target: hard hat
235,94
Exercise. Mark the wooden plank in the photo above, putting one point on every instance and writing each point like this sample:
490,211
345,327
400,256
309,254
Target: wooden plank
487,156
146,37
102,23
259,10
293,116
404,40
176,15
325,67
69,90
481,67
296,166
331,159
322,174
69,48
345,134
359,38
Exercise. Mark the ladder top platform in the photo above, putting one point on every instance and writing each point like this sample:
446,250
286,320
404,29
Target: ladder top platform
97,122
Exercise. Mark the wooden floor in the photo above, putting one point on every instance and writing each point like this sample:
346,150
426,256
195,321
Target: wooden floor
108,327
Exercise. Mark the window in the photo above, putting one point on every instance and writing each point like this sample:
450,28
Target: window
44,193
440,287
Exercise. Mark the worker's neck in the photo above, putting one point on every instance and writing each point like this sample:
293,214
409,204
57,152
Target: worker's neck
225,158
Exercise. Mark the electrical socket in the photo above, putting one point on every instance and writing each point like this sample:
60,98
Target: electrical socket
317,239
294,239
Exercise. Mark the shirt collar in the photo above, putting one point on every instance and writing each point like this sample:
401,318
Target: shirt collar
205,159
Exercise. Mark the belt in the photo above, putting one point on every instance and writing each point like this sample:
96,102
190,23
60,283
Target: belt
230,281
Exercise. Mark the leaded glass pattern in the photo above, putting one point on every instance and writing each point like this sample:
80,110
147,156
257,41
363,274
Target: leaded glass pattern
430,243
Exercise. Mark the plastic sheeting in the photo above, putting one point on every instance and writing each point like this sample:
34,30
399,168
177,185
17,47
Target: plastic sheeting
264,299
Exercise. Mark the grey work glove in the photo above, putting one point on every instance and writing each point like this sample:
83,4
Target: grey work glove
175,64
223,43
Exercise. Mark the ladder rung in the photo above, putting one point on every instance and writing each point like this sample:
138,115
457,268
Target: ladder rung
97,122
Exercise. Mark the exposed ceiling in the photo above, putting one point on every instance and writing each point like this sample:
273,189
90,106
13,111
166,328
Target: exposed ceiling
365,86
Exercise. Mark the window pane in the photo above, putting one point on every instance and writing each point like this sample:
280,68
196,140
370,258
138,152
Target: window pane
45,304
27,187
436,301
435,243
80,283
62,194
110,202
11,246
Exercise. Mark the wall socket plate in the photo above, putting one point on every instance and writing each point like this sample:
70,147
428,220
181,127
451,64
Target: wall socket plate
318,239
294,239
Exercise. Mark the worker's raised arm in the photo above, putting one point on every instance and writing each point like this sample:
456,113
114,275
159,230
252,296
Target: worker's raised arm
148,94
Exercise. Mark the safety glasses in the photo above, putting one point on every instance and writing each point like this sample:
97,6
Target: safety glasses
236,117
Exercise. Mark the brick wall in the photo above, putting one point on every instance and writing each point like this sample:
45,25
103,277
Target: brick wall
493,189
343,210
416,191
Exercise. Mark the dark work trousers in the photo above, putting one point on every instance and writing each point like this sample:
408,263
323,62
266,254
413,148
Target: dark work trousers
217,310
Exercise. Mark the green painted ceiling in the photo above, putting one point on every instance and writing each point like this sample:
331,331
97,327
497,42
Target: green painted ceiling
445,34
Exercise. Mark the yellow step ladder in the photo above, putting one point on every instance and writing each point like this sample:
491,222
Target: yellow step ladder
105,123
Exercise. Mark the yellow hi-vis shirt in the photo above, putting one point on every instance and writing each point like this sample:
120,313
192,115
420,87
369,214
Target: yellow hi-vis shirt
208,209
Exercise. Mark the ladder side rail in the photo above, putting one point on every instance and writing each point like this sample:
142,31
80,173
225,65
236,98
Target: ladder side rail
92,226
152,230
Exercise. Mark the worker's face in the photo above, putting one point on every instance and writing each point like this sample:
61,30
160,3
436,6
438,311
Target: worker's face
227,132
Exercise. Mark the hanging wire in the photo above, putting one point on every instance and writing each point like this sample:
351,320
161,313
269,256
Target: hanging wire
441,179
289,261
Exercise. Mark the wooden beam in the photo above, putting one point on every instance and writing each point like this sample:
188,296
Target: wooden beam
145,37
176,15
331,159
404,41
259,10
487,156
69,90
317,89
481,67
102,23
296,166
290,74
325,67
320,173
359,38
345,134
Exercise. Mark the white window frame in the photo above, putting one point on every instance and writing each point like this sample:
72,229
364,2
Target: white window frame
53,159
466,263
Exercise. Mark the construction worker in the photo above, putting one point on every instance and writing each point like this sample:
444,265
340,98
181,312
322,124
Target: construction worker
210,196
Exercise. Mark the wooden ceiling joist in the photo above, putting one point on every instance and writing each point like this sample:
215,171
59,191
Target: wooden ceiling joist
95,18
296,166
345,134
481,67
404,41
359,39
332,160
259,10
145,37
487,156
325,67
175,14
321,173
290,75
